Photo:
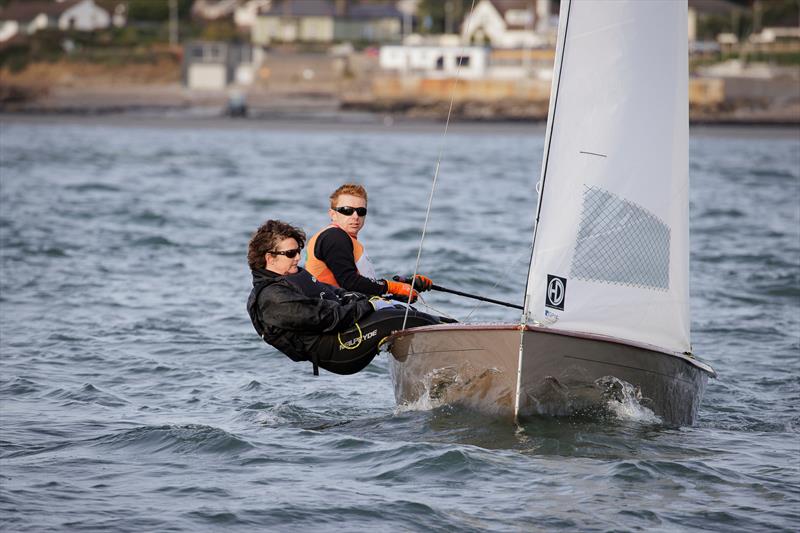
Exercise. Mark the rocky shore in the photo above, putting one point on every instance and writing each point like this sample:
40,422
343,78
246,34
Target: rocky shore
89,90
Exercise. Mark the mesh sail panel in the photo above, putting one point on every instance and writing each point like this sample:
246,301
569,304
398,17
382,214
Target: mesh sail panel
620,242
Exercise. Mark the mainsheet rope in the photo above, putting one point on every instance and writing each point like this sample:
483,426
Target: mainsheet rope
438,164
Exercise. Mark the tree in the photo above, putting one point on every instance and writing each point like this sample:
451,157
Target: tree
439,16
151,11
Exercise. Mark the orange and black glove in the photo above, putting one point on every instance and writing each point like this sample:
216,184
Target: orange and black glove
396,288
421,283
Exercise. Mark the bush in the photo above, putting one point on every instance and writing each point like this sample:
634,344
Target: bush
15,57
156,11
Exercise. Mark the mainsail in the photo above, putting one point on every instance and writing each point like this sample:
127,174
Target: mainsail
611,243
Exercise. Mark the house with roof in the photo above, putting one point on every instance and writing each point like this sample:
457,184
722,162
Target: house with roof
326,21
247,12
243,12
28,17
510,24
214,9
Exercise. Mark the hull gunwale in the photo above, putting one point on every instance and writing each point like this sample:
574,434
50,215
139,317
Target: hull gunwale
490,326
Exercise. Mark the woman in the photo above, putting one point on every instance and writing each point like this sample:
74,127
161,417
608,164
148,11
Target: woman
307,320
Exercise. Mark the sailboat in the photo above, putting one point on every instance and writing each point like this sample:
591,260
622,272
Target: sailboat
606,308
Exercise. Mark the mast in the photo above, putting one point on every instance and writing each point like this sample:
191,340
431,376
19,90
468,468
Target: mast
566,6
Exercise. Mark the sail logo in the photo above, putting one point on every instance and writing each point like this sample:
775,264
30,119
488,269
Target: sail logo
556,292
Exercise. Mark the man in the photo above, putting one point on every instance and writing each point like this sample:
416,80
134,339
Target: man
335,256
307,320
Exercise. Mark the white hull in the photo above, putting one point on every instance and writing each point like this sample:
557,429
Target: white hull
477,366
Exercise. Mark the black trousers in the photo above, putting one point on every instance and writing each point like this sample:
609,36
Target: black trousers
351,351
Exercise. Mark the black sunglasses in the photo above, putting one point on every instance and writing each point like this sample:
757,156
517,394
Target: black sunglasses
291,254
347,210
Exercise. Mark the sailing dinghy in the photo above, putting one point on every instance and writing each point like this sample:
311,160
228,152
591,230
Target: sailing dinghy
607,298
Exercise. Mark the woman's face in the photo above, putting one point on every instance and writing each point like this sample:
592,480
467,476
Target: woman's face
279,260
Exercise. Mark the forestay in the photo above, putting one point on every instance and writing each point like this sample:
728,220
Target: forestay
611,243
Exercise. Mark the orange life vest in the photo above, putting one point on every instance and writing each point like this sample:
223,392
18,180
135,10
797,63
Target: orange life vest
317,267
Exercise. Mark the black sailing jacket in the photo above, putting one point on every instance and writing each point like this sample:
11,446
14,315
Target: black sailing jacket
291,312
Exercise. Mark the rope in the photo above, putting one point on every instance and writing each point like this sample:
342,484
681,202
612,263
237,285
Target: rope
438,164
356,345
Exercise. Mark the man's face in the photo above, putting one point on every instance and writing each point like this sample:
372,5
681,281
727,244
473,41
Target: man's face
280,263
352,223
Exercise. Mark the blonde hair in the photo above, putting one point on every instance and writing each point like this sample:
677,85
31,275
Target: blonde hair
352,189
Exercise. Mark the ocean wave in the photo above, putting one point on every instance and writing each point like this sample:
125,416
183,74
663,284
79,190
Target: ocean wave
93,187
19,386
179,439
88,393
304,413
156,241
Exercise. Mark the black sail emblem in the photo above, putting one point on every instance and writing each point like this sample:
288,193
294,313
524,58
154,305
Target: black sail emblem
556,292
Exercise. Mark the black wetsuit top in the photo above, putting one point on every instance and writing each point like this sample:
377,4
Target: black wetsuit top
312,321
291,312
335,249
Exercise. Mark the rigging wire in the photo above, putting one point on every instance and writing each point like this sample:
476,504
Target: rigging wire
438,163
502,279
435,310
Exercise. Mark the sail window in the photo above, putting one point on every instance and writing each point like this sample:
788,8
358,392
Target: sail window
620,242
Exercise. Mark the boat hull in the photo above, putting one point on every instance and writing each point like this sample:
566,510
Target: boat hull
561,373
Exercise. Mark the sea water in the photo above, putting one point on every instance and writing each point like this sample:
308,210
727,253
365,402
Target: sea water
134,394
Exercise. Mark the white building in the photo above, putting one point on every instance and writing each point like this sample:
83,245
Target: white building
510,24
29,17
246,14
83,15
8,29
217,65
436,61
214,9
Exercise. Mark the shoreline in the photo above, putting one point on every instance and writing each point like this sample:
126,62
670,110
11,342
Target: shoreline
207,118
298,111
173,100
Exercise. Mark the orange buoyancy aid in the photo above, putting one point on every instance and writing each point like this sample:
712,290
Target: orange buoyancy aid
317,267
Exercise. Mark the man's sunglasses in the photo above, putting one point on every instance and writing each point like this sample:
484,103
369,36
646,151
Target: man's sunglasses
291,254
347,210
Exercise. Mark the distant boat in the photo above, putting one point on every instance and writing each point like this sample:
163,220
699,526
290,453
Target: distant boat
606,310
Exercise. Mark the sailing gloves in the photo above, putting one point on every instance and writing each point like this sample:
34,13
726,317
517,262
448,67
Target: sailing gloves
396,288
401,286
421,283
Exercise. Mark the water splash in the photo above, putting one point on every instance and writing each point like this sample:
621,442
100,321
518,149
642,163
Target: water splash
481,389
625,402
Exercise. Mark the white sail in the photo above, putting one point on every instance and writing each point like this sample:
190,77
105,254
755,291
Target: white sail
611,244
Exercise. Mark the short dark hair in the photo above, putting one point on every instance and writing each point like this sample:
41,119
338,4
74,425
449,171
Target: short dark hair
267,237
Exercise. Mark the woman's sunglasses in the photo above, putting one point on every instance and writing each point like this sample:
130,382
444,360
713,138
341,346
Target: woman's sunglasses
347,210
291,254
